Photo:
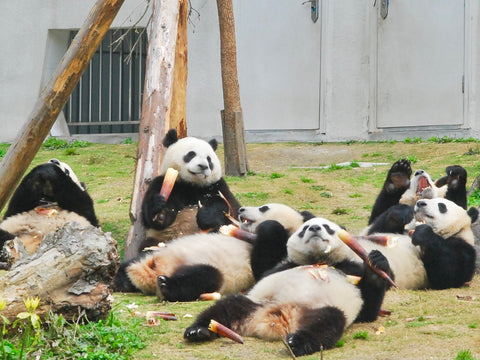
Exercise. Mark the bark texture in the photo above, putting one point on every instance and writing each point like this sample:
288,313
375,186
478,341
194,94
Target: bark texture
70,272
163,105
232,118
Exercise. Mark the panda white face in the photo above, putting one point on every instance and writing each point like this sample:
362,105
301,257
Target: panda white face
194,159
314,241
67,170
250,216
444,216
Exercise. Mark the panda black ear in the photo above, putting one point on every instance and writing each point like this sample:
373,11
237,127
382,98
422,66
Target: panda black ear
214,144
473,213
170,138
307,215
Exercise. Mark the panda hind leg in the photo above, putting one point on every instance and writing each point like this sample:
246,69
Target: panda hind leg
188,282
320,329
233,309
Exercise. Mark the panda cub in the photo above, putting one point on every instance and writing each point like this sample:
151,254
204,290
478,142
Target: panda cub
195,264
199,181
439,255
48,197
400,188
307,306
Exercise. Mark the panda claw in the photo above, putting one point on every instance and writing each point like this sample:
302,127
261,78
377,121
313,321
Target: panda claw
298,345
197,334
162,281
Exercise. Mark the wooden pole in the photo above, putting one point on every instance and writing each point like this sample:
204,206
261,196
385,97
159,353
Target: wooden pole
163,105
55,95
232,117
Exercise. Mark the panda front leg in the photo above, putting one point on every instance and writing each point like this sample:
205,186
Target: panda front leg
227,311
321,329
448,262
373,287
188,282
396,183
156,212
269,249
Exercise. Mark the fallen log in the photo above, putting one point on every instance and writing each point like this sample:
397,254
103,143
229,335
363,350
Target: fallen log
70,272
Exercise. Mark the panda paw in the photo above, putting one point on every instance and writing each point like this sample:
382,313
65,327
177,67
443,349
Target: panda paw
398,177
455,174
211,215
300,344
159,211
196,333
378,260
422,235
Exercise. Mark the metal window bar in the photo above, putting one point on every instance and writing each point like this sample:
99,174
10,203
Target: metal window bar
108,97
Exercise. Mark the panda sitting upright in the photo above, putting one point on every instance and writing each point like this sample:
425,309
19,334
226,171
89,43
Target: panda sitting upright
48,197
199,181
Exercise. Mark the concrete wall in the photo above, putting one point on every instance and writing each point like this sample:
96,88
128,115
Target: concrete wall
34,38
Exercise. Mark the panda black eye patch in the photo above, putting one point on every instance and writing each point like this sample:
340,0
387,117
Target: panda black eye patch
442,207
329,230
190,155
263,208
210,164
301,234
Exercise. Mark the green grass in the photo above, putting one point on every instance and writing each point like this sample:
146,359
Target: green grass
290,173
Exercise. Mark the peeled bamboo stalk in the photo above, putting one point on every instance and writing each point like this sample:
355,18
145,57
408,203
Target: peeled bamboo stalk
222,330
232,230
168,182
360,251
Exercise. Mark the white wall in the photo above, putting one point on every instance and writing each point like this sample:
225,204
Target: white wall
32,47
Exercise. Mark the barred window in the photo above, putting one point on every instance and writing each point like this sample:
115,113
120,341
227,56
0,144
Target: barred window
108,97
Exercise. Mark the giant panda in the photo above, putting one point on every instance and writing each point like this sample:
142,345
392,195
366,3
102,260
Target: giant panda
199,183
48,197
200,263
307,306
400,188
439,255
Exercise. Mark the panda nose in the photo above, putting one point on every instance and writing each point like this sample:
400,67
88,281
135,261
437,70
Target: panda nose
203,167
421,203
419,172
314,228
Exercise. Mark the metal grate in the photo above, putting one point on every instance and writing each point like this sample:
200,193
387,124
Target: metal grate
108,97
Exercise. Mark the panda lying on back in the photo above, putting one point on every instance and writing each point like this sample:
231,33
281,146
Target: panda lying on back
199,181
191,265
308,306
439,255
48,197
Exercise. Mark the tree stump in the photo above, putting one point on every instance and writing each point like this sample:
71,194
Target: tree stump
71,273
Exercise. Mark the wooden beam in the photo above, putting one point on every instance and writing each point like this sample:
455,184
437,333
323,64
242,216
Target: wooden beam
55,95
163,105
235,155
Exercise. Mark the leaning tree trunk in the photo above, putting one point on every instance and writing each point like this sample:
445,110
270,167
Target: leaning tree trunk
232,119
55,95
163,105
71,272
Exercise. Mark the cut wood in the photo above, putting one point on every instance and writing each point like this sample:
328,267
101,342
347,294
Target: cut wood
70,272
